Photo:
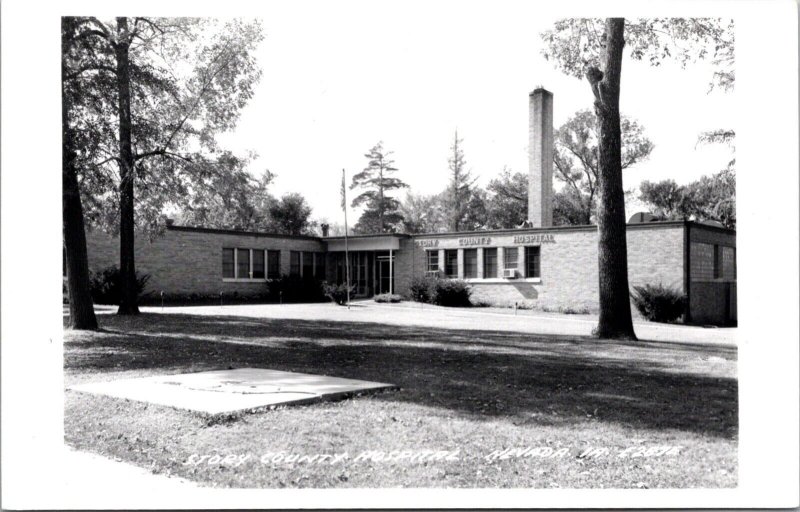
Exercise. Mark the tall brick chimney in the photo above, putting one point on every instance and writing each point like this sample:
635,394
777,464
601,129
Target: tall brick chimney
540,159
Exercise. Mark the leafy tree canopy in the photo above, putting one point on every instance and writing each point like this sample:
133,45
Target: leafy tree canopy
189,80
577,43
576,163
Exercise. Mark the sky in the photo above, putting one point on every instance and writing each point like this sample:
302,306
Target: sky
337,82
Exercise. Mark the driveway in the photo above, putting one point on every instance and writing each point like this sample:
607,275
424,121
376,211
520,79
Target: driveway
482,319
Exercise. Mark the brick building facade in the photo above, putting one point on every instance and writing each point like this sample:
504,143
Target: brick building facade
538,264
550,268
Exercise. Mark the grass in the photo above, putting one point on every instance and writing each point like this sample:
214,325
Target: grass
471,391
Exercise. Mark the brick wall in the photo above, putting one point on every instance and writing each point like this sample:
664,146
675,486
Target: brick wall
190,261
569,275
712,295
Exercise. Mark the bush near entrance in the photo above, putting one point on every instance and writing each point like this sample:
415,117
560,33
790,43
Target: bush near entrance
338,292
434,289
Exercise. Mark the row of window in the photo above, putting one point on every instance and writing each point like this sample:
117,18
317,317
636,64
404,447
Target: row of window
511,261
240,263
244,264
308,264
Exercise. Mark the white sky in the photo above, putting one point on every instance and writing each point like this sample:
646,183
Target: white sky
336,83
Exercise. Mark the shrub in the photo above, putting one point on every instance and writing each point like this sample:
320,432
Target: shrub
569,310
658,303
288,288
423,288
337,292
106,285
453,293
388,297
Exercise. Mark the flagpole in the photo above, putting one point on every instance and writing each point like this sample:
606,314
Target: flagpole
346,252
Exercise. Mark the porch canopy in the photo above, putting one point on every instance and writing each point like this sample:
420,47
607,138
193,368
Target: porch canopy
365,243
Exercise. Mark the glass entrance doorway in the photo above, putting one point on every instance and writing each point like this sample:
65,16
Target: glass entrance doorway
371,272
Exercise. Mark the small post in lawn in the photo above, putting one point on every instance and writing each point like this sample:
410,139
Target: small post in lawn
220,298
162,300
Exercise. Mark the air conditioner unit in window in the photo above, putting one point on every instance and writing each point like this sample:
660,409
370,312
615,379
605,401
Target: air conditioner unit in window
509,273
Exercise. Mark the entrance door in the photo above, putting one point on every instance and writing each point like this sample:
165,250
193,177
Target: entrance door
383,276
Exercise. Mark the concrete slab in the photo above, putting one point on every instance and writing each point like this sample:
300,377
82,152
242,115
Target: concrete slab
228,391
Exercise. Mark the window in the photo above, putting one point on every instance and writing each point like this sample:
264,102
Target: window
717,262
533,262
242,263
228,270
701,261
319,265
729,263
470,263
294,263
433,261
258,264
490,262
451,262
273,264
510,255
308,264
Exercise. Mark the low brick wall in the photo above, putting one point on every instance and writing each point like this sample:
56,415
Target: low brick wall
184,262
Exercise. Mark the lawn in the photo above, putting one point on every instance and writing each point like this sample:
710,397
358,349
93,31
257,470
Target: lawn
469,393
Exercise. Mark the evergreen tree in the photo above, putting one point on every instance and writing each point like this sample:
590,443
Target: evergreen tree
460,191
381,214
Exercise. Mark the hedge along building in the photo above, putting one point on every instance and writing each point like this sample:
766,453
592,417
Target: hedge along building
540,265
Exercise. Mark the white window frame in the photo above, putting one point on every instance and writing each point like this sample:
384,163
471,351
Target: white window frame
428,254
500,280
249,278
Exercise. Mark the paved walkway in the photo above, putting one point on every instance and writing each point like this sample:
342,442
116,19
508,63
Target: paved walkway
483,319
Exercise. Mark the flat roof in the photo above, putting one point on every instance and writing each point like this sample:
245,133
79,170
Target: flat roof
173,227
387,238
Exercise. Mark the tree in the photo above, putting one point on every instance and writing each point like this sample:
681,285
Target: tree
423,213
576,159
666,198
381,213
709,198
176,83
231,199
593,49
291,215
714,197
459,192
81,308
507,206
569,208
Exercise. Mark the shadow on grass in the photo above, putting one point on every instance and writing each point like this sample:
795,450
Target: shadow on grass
531,379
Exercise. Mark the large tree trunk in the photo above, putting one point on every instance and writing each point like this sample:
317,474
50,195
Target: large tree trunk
615,308
128,300
81,309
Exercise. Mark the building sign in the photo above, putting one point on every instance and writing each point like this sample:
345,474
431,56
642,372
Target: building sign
478,240
544,238
497,240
